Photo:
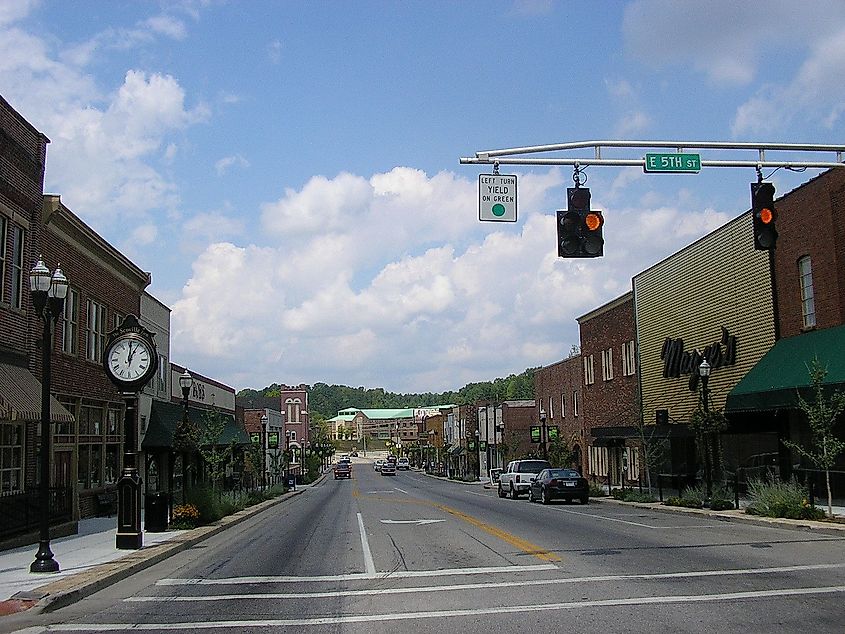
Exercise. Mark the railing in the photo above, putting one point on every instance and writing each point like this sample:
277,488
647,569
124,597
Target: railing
20,511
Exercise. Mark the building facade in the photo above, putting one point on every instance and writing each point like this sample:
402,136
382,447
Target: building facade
558,395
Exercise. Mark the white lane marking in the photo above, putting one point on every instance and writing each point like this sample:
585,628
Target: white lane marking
379,492
439,614
369,566
355,576
417,522
484,495
486,585
402,491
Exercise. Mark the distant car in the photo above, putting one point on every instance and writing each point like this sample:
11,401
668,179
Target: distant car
403,463
559,484
343,469
388,468
377,464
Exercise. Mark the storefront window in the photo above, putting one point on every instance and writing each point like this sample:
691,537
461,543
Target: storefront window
83,468
96,466
11,457
112,463
67,428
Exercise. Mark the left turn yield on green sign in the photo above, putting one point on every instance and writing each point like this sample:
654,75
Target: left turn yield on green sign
497,197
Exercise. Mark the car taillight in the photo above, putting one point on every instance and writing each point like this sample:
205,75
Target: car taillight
553,481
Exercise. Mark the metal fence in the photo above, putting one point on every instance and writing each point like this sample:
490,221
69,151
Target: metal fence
20,511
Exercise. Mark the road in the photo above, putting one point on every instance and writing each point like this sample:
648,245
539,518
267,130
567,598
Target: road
412,553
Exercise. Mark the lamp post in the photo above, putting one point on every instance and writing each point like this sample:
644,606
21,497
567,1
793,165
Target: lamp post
185,383
704,373
478,454
263,451
543,434
48,297
287,456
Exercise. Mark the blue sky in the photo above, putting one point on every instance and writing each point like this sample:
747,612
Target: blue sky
288,171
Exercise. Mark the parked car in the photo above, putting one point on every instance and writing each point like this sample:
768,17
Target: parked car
559,484
377,464
343,469
388,468
403,463
517,477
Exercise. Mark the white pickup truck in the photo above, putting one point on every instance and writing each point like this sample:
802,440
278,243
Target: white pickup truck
517,477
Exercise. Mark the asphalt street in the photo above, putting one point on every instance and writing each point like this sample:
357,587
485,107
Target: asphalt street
378,553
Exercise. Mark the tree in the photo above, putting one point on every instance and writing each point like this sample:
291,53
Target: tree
560,452
822,413
216,456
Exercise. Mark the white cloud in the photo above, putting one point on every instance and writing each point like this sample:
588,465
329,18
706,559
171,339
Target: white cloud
274,51
14,10
812,93
724,39
222,166
167,25
353,288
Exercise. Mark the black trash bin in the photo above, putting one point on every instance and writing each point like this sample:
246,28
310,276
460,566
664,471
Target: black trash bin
291,481
155,513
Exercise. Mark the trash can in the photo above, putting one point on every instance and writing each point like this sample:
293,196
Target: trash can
291,481
155,512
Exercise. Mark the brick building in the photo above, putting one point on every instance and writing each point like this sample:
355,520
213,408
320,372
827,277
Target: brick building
558,396
610,391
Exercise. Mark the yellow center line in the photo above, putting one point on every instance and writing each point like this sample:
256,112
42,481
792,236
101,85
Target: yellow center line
517,542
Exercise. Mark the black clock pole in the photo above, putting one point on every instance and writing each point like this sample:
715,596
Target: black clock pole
129,535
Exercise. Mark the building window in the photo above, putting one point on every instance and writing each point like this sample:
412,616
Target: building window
4,228
589,375
16,264
598,461
629,364
70,322
163,368
607,364
563,405
11,457
96,334
808,304
551,408
575,404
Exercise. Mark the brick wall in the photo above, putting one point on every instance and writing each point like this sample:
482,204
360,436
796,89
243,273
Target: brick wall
810,223
551,383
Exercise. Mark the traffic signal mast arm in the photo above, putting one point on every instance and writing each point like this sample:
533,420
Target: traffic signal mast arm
508,156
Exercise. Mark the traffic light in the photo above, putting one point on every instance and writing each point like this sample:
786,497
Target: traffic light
764,215
579,229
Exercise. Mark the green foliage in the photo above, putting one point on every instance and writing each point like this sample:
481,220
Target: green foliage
822,414
560,453
597,491
771,497
326,400
630,495
207,503
215,456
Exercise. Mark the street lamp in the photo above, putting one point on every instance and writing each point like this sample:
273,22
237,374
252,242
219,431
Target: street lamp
478,453
48,297
543,432
185,383
263,451
704,373
288,457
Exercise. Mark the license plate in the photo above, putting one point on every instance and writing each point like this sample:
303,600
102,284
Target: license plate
569,484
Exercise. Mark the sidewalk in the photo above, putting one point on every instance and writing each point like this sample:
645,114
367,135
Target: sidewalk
89,560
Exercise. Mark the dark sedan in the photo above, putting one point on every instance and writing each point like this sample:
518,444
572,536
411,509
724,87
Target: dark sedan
559,484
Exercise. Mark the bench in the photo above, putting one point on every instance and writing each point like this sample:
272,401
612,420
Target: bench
106,503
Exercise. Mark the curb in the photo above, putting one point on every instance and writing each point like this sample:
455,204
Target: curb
63,592
738,516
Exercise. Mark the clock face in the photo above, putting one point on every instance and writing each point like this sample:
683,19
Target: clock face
130,359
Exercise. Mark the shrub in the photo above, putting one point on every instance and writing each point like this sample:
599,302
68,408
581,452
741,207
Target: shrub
185,516
685,502
629,495
597,491
721,505
207,502
771,497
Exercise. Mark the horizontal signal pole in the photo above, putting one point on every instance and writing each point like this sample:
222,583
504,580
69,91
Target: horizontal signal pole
507,156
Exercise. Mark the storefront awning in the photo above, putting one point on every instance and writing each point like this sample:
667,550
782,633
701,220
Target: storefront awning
457,450
783,372
164,418
20,397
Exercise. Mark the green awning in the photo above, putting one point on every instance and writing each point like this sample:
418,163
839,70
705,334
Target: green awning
783,373
164,417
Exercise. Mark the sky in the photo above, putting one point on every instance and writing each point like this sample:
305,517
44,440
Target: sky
289,173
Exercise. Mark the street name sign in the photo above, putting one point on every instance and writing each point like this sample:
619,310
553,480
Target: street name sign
683,163
497,197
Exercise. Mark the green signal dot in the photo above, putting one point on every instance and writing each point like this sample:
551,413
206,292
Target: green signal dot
498,210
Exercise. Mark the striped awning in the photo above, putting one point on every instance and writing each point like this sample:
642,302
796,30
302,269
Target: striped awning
20,397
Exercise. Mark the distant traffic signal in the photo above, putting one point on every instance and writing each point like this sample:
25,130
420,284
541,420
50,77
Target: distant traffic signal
579,229
764,215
